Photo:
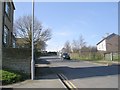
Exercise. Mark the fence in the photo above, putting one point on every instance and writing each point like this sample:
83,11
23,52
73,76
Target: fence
114,56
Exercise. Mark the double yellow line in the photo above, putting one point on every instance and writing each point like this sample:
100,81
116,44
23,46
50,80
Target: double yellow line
69,85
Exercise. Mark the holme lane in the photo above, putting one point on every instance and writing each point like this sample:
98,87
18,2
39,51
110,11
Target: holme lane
84,74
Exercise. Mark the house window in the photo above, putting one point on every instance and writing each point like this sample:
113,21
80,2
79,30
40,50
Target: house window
7,8
5,35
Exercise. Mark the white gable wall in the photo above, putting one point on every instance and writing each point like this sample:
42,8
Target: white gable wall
102,46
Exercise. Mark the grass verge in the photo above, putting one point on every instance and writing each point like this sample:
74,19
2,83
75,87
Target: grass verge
108,62
97,58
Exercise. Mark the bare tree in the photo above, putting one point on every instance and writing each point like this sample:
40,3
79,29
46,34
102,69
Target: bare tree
67,47
23,28
41,45
81,42
75,46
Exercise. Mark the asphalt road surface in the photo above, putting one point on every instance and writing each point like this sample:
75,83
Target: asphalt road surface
84,74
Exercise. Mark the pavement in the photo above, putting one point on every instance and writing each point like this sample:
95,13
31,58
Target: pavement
44,82
45,78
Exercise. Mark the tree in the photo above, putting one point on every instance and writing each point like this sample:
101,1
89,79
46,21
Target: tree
75,46
81,42
41,45
67,47
23,28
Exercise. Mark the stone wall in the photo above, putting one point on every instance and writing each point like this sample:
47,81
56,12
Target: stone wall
17,59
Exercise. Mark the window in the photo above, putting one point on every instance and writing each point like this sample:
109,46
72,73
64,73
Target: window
7,8
5,35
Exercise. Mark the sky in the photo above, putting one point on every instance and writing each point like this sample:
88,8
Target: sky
69,20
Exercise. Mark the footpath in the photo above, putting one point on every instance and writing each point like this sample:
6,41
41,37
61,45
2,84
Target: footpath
45,78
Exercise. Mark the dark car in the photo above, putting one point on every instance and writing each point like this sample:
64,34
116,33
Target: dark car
65,56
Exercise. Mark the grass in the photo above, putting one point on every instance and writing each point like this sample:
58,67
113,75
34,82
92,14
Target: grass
97,58
9,76
88,57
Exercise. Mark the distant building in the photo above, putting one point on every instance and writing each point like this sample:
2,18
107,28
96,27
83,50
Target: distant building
6,23
109,43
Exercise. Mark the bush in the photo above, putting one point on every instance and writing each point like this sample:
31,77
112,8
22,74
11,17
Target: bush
96,56
9,77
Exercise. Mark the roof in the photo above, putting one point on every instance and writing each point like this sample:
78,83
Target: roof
108,37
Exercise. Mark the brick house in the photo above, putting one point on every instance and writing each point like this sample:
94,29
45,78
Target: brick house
12,58
109,43
6,24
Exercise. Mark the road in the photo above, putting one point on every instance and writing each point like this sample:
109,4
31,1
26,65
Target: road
84,74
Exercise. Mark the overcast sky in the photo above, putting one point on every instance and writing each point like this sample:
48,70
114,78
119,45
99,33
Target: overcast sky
69,20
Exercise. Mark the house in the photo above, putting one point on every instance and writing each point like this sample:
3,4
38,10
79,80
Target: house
21,43
7,38
14,59
109,43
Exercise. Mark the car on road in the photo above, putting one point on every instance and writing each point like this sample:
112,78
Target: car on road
65,56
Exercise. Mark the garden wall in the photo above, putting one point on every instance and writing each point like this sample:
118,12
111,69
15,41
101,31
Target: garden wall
18,59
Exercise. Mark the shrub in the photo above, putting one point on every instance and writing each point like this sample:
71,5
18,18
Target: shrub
9,77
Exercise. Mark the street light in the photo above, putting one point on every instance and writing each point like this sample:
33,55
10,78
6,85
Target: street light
32,61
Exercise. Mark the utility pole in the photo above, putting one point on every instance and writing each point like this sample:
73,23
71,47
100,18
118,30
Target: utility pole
32,61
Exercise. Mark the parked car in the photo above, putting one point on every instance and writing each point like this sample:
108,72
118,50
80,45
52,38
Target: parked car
65,56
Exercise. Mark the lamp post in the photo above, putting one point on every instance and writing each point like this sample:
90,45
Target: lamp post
32,61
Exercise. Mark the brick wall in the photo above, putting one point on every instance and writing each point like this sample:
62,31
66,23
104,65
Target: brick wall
112,44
